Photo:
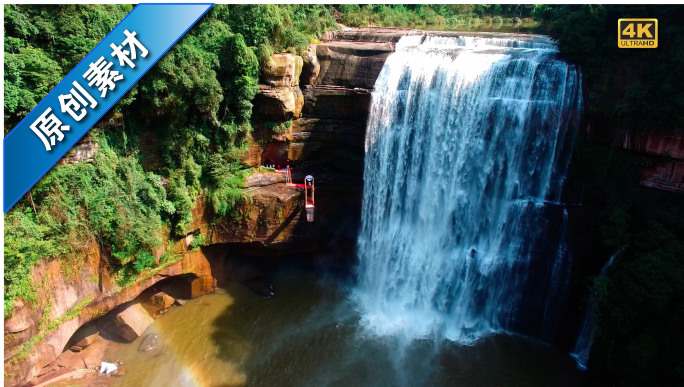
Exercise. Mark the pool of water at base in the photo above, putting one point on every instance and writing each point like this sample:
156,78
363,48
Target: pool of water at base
309,334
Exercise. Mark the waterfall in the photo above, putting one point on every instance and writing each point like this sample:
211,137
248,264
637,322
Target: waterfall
467,145
586,335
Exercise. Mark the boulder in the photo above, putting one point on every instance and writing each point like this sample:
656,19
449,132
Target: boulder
283,70
91,356
279,103
157,304
128,324
151,345
161,300
311,68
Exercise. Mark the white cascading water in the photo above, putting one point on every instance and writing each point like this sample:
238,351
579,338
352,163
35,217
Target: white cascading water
586,336
467,144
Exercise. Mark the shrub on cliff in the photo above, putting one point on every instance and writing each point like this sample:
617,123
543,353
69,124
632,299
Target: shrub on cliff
111,202
280,27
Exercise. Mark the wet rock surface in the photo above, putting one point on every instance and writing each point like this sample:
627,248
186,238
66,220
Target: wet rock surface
152,345
261,285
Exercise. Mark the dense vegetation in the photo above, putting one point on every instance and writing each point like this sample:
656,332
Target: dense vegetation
476,17
178,133
182,130
639,302
628,89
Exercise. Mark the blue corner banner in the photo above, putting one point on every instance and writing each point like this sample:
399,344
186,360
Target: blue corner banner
90,90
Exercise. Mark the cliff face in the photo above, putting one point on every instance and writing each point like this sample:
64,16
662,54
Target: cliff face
325,138
73,294
335,81
663,155
322,98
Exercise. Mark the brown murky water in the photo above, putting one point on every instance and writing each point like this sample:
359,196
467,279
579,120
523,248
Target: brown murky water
308,335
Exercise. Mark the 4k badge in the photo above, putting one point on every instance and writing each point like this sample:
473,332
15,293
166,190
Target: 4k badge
638,33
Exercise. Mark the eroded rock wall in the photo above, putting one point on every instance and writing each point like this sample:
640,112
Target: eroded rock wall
36,335
325,140
663,155
322,99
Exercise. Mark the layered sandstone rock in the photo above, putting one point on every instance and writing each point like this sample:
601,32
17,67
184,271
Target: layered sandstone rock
279,103
83,151
311,67
283,70
336,83
252,157
261,179
667,175
655,143
326,141
666,170
350,64
268,216
280,97
663,164
338,103
367,35
63,293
